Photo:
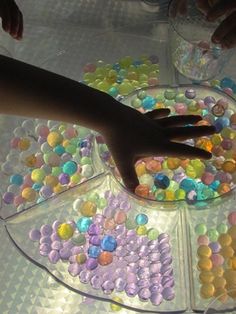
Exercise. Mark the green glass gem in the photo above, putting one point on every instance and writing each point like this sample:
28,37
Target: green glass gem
102,203
85,161
136,103
169,94
93,197
180,97
79,239
142,94
152,234
159,195
71,149
56,171
130,224
160,98
170,102
222,228
201,229
213,235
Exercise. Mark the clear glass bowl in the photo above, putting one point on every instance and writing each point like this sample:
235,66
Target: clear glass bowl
223,304
193,54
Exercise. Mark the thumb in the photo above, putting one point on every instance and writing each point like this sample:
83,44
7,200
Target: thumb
127,172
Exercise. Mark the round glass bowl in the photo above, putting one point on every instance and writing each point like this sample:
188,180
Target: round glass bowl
193,54
172,179
225,303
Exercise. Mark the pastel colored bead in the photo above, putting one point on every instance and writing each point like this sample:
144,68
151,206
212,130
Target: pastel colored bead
207,290
83,224
54,139
38,175
205,263
141,219
142,190
227,251
70,167
105,258
201,229
206,276
108,243
29,194
81,258
65,231
88,209
203,240
116,307
232,232
225,239
217,260
223,228
141,230
120,217
232,218
204,251
213,235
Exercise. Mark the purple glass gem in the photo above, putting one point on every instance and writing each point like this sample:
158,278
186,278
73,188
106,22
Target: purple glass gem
8,197
120,230
143,262
156,288
109,212
121,251
142,241
131,233
46,230
144,273
155,279
113,203
144,294
72,223
85,276
56,245
153,245
53,257
131,258
209,100
120,272
98,219
131,289
74,269
122,196
125,205
45,247
215,247
190,93
91,263
155,267
166,270
72,259
167,281
131,278
94,229
163,237
168,293
163,246
68,244
84,152
45,240
143,283
143,251
132,245
120,284
64,178
34,235
46,191
108,286
154,257
56,224
96,282
55,237
76,250
108,194
95,240
132,267
156,298
65,253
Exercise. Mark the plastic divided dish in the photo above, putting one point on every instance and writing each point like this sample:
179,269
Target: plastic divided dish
179,224
156,95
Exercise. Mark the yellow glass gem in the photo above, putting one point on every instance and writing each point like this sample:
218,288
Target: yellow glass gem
206,276
227,251
81,258
190,171
230,276
219,282
65,231
225,239
24,144
204,264
75,178
141,230
218,271
229,166
204,251
173,163
207,290
59,188
30,161
169,195
116,307
232,263
228,133
216,139
232,232
54,139
140,169
233,244
88,209
65,143
221,294
38,175
51,180
29,194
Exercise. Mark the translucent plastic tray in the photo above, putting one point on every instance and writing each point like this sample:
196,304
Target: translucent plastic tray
60,207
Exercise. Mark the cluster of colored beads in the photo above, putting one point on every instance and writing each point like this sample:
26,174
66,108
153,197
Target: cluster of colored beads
171,179
216,258
226,84
45,159
122,77
111,250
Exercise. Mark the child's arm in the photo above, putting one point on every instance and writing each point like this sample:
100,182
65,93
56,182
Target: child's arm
29,91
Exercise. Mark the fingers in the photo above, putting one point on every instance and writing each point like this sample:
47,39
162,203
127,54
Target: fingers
127,172
183,133
229,41
220,8
158,113
12,19
225,32
203,6
179,120
183,150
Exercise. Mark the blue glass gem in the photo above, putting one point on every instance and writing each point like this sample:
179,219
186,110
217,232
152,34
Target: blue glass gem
187,185
161,181
83,224
226,82
94,251
37,186
59,150
148,102
69,167
141,219
108,243
16,179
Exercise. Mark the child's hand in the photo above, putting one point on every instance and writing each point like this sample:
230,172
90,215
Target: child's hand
152,134
225,34
12,18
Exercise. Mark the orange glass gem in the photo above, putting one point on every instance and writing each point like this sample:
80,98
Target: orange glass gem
142,190
105,258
